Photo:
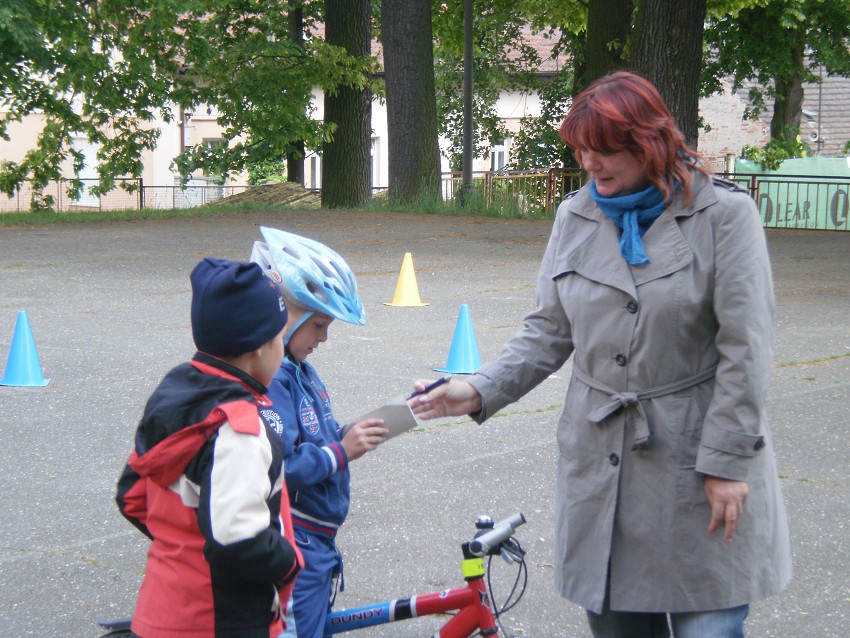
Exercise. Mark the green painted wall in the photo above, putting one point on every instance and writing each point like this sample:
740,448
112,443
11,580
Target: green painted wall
812,192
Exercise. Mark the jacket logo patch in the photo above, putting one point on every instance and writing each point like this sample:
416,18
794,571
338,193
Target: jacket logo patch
273,419
309,419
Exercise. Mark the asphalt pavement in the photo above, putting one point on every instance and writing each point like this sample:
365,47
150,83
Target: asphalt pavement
108,304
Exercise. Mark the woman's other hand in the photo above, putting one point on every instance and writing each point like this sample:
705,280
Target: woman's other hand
727,499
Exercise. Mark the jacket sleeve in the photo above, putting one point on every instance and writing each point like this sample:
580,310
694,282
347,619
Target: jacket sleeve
132,498
733,430
539,348
239,508
306,464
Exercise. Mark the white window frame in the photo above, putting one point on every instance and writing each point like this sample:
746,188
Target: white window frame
498,155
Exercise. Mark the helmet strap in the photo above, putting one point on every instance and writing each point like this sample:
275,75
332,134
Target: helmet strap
304,317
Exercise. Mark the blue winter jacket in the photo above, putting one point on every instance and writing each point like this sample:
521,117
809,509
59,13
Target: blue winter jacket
316,466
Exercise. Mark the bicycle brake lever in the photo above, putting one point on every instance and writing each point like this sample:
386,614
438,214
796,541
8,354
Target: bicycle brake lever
511,552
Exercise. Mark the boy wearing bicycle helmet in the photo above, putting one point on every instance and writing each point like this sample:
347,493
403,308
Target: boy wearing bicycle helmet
318,286
204,481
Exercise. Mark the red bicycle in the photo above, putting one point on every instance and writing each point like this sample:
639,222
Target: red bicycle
473,606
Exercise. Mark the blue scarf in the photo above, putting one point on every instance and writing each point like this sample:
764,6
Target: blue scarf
634,214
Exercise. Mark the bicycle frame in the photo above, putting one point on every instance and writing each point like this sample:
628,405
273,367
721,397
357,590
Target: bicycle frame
472,602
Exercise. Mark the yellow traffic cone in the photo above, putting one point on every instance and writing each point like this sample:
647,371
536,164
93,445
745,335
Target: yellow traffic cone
406,290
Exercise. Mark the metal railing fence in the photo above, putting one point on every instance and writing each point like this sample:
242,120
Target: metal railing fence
131,194
530,193
784,201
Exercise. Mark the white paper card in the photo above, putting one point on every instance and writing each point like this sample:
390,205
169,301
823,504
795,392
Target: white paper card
396,414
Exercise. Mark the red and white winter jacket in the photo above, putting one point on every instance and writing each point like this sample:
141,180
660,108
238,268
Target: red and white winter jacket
205,482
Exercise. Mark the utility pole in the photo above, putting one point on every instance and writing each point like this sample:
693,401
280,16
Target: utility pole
466,189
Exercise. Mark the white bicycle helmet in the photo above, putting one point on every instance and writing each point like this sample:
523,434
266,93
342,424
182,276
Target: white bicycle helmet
308,272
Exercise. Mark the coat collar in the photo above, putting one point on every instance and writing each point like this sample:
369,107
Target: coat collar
593,249
209,364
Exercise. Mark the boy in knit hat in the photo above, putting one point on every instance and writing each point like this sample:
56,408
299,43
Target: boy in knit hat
205,481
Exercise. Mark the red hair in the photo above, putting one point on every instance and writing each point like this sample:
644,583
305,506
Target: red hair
623,111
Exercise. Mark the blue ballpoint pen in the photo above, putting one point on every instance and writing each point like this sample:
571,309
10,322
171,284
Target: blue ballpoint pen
430,387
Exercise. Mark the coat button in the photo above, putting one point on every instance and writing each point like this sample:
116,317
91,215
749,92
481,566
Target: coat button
620,359
759,444
632,307
614,459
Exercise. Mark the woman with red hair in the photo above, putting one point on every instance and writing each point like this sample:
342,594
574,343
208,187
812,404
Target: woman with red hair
656,280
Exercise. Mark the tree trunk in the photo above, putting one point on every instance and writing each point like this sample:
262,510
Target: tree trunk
414,154
667,50
788,106
608,28
346,161
295,157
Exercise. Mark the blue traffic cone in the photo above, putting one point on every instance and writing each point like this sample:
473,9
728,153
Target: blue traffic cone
463,354
22,366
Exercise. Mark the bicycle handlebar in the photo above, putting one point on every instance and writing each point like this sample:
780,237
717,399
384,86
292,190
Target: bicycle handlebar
502,531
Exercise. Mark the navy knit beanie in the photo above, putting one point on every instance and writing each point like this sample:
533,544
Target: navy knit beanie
235,307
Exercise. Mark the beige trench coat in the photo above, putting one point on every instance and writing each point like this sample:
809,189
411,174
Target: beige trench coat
705,301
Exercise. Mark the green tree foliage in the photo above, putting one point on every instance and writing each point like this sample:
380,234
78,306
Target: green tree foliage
109,69
659,39
270,171
773,48
503,60
777,150
537,143
241,58
86,69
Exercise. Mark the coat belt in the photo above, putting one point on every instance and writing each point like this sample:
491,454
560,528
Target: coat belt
620,400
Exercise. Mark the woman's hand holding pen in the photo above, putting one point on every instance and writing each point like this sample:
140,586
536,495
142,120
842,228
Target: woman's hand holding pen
445,398
362,437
